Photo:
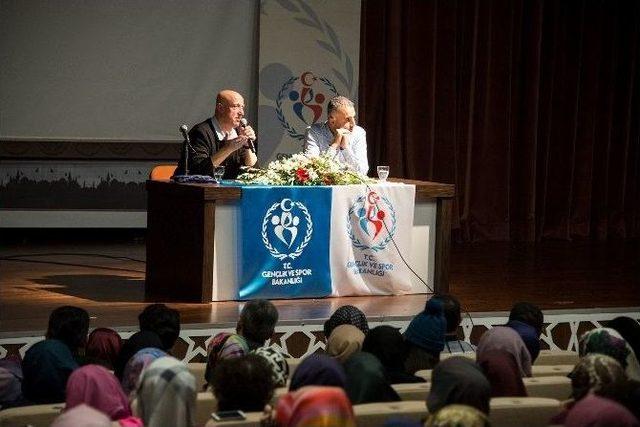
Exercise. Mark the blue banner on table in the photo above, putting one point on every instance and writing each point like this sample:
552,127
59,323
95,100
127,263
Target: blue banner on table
285,242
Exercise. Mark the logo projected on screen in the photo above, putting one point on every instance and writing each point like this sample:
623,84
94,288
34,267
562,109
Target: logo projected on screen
366,222
286,229
301,100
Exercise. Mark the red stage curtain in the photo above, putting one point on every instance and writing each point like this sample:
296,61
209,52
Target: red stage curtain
531,108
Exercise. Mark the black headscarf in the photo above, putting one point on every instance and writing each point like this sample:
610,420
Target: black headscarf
386,343
630,331
346,315
366,381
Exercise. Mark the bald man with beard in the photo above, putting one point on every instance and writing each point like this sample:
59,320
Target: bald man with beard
221,140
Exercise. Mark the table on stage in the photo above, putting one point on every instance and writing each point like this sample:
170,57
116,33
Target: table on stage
194,244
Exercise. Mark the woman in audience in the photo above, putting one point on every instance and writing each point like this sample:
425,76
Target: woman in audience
82,415
223,346
366,381
70,325
137,341
504,338
103,347
458,380
344,341
315,406
318,369
527,320
597,411
458,416
502,371
136,365
46,368
386,343
425,337
277,362
243,383
610,342
629,329
11,382
346,315
452,344
97,387
166,394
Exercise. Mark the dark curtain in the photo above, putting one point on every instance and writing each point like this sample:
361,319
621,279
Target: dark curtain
531,108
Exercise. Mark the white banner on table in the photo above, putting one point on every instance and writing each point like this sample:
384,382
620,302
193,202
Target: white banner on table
309,52
365,223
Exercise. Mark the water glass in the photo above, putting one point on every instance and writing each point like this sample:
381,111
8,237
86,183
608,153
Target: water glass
383,173
218,172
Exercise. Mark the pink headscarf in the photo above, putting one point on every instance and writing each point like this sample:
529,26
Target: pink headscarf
505,338
98,388
104,345
596,411
315,406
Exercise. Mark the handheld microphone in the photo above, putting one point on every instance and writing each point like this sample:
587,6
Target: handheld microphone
184,130
243,123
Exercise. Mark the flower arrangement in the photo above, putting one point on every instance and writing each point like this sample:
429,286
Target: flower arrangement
302,170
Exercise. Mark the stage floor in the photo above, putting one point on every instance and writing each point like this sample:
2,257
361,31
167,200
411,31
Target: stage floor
107,279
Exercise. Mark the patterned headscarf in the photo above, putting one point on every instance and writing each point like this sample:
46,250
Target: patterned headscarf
504,338
593,373
278,364
458,416
135,343
346,315
135,366
98,388
344,341
82,415
610,342
166,394
223,346
458,380
315,406
318,369
103,346
46,368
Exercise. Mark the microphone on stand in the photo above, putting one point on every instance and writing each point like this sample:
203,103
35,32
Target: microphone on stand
184,130
243,124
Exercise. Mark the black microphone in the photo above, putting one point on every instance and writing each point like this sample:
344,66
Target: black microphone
243,123
184,130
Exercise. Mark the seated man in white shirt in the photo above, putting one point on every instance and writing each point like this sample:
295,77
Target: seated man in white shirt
339,136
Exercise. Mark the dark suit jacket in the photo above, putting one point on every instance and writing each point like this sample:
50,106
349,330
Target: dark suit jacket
204,143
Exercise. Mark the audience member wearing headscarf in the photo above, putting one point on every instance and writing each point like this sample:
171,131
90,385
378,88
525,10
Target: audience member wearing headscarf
222,346
458,416
366,380
103,347
137,341
277,362
315,406
136,365
46,368
608,341
386,343
318,369
243,383
458,380
82,415
11,382
629,329
527,320
344,341
529,336
502,371
95,386
504,338
597,411
346,315
166,394
453,318
425,337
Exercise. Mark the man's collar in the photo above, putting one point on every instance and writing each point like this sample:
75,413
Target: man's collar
219,132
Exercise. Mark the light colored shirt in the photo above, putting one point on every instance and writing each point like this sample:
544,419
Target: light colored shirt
220,133
318,138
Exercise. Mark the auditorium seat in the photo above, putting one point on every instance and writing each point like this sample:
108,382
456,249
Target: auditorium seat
551,370
424,373
551,387
469,354
293,363
557,357
162,172
206,404
522,411
412,391
375,414
34,415
252,420
197,370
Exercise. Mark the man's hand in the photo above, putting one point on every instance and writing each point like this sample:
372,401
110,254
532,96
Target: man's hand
232,145
248,132
343,137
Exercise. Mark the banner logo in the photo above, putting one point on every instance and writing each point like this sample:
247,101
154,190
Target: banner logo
283,226
301,101
371,222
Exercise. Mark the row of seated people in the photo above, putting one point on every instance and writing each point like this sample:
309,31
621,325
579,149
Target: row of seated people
362,363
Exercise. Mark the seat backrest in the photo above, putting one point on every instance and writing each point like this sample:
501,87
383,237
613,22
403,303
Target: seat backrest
522,411
424,373
551,387
375,414
162,172
197,369
33,415
551,370
205,404
412,391
293,364
557,357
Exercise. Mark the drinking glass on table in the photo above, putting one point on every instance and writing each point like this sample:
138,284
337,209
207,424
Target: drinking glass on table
383,173
218,172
